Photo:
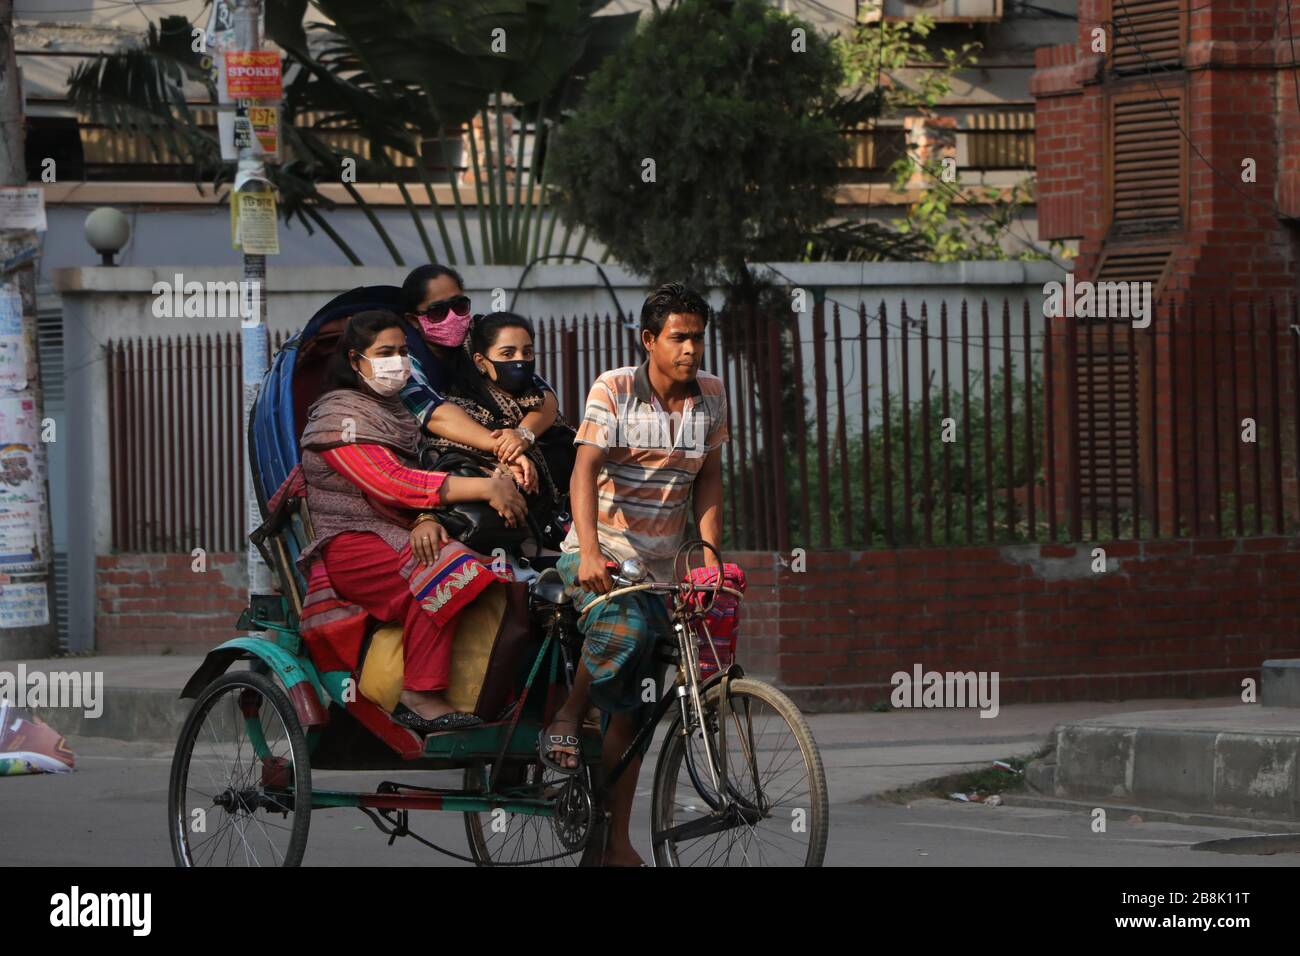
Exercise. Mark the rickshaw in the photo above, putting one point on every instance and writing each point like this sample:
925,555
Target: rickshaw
738,779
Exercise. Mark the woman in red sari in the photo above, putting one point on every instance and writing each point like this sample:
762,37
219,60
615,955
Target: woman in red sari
377,550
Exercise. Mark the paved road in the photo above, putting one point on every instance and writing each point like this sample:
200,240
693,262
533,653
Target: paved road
112,812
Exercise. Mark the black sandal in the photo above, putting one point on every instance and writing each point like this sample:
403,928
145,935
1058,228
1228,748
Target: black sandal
456,720
559,743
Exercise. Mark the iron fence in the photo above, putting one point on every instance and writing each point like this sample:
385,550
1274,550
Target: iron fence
933,423
176,442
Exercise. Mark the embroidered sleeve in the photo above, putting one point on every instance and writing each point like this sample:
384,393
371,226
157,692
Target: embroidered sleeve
380,475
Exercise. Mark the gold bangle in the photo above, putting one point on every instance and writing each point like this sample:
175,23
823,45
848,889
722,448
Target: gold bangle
424,516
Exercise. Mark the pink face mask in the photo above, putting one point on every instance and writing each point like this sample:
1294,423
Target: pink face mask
451,331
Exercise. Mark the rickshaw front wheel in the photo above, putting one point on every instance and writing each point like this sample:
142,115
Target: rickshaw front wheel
240,791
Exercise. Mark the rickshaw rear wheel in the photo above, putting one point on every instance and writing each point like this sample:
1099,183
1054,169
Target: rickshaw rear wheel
235,799
575,836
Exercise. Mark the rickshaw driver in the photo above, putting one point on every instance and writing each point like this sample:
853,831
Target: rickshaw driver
649,447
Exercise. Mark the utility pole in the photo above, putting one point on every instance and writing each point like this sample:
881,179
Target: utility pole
254,338
26,624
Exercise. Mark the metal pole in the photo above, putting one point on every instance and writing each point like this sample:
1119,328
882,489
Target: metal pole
253,338
31,632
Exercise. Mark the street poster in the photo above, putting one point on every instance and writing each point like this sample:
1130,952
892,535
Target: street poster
255,225
13,346
23,548
24,605
253,74
22,207
250,127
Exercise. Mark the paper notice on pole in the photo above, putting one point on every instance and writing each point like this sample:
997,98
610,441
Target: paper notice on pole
19,438
217,38
265,124
256,226
22,207
13,346
226,134
23,528
250,126
220,31
243,129
24,605
20,550
253,75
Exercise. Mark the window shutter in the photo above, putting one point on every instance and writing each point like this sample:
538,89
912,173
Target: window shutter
1105,380
1147,159
1146,35
1104,453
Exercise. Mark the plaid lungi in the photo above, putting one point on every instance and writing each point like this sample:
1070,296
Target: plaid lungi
618,649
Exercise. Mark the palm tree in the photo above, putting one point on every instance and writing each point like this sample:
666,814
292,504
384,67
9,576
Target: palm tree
387,84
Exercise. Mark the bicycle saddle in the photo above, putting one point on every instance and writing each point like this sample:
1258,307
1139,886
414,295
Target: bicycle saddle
549,587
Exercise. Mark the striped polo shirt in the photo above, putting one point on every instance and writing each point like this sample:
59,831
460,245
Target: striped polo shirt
643,489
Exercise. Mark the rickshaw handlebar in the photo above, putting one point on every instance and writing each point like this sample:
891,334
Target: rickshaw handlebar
657,587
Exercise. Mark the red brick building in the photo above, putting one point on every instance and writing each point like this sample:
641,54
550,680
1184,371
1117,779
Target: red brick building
1168,144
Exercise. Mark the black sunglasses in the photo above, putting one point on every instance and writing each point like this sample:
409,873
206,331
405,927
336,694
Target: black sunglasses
437,311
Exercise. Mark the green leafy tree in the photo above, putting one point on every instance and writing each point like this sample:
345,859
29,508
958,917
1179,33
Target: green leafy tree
398,74
912,75
945,221
878,55
913,503
712,141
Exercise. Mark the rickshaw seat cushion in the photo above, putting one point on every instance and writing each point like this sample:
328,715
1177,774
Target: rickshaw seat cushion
381,671
485,656
471,651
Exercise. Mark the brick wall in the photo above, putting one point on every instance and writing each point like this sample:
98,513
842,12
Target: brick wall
157,603
1167,619
1241,103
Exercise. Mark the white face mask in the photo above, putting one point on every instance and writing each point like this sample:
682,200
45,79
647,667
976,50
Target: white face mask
391,374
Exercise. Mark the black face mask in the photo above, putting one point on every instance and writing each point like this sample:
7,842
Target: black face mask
514,377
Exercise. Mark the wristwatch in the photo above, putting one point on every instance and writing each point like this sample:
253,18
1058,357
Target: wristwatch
528,434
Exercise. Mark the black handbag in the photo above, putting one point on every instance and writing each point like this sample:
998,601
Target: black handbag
560,454
474,524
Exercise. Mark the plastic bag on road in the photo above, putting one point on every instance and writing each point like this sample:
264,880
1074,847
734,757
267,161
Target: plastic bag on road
29,745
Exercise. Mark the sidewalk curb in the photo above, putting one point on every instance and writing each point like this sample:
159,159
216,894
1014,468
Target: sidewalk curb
130,713
1236,772
1153,815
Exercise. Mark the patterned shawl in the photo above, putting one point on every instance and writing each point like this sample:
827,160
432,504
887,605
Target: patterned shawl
347,415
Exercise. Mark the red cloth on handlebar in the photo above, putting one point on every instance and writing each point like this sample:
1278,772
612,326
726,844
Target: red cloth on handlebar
723,618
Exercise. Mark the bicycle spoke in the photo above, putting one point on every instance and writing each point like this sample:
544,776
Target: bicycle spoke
224,774
767,771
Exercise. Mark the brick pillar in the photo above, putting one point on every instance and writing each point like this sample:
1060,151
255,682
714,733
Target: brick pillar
1237,241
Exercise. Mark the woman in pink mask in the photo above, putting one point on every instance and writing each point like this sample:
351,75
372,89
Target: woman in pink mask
438,320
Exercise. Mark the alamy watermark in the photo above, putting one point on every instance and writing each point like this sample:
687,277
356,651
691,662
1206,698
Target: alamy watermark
133,911
938,689
208,300
643,427
76,690
1098,300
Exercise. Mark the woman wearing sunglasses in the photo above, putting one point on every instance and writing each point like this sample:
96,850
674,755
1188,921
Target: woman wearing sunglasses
438,320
